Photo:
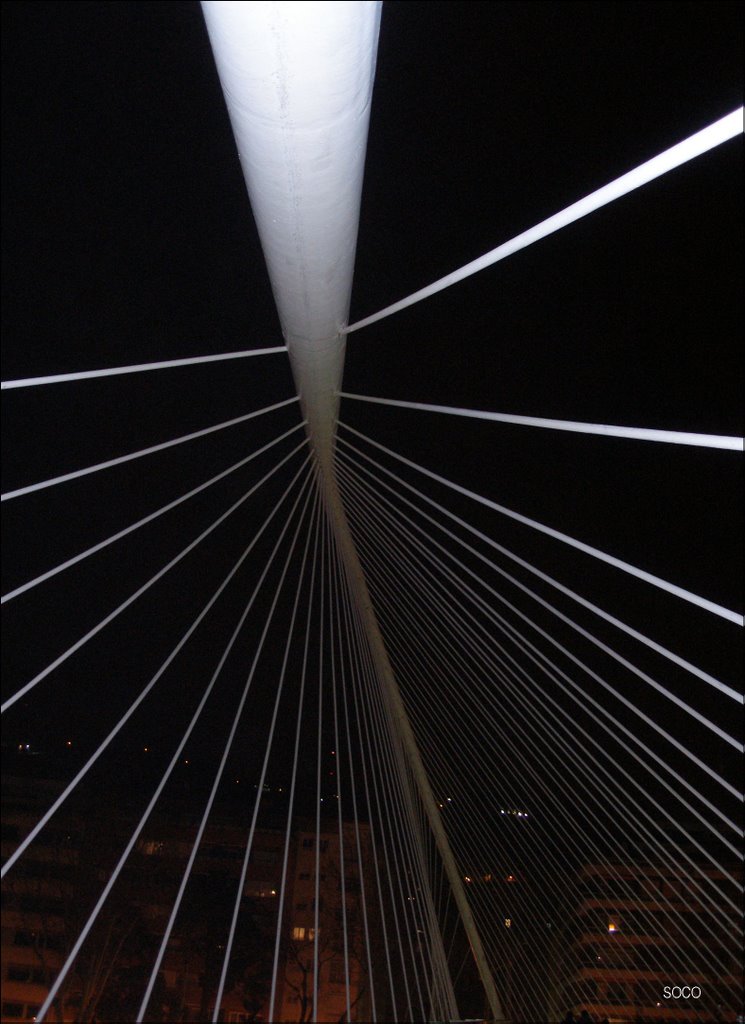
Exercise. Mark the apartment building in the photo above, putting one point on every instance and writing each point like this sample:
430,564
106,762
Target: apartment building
638,949
47,896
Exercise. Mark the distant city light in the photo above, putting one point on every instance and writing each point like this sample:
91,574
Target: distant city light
513,812
508,922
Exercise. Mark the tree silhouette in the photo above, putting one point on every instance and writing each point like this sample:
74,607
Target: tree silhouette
203,934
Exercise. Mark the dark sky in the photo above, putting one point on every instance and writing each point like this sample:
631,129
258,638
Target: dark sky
128,238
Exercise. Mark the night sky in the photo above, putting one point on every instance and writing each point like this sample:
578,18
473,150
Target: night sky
129,237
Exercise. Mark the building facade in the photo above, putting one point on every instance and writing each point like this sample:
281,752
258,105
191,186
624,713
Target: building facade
636,949
47,897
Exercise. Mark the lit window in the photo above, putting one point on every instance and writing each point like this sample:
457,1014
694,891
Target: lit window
312,934
298,933
614,924
152,846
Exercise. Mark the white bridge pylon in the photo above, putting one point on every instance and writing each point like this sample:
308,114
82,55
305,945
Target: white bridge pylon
297,80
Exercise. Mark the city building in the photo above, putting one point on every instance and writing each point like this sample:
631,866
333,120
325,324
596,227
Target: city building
47,897
636,950
326,928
